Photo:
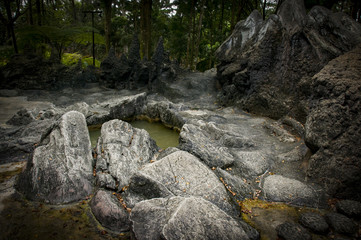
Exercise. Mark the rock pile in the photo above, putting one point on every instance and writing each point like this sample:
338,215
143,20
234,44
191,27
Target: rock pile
283,67
132,73
332,224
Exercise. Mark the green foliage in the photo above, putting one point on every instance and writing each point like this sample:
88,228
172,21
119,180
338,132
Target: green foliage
87,61
63,36
5,54
71,59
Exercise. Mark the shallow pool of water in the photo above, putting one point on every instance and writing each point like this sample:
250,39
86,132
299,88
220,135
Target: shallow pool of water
164,137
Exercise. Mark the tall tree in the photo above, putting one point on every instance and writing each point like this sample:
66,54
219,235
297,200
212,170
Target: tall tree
190,42
199,32
30,12
146,27
264,9
108,22
38,11
10,19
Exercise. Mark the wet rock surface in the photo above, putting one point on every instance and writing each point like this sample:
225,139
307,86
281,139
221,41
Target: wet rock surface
189,218
314,222
60,169
281,189
349,208
341,224
109,212
292,231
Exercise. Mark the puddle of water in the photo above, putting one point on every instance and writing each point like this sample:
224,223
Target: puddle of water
164,137
266,216
94,134
22,219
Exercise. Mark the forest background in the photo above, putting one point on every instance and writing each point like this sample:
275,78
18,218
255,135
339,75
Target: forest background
192,30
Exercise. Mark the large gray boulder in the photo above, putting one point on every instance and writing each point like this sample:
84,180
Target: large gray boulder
183,218
122,150
109,211
277,188
124,107
165,111
60,170
226,145
178,174
204,141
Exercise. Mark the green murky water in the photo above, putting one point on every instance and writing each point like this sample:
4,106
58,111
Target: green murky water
164,137
94,134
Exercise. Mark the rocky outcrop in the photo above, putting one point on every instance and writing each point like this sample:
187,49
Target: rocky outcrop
61,169
23,131
132,73
263,63
122,150
124,108
17,143
165,111
282,66
183,217
115,72
333,126
22,117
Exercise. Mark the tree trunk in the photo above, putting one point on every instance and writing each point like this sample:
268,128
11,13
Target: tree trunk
199,32
108,22
279,2
38,11
73,9
264,9
30,12
10,25
146,27
190,41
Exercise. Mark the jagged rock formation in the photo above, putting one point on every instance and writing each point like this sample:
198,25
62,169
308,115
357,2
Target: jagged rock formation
281,67
131,72
60,170
333,126
264,63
